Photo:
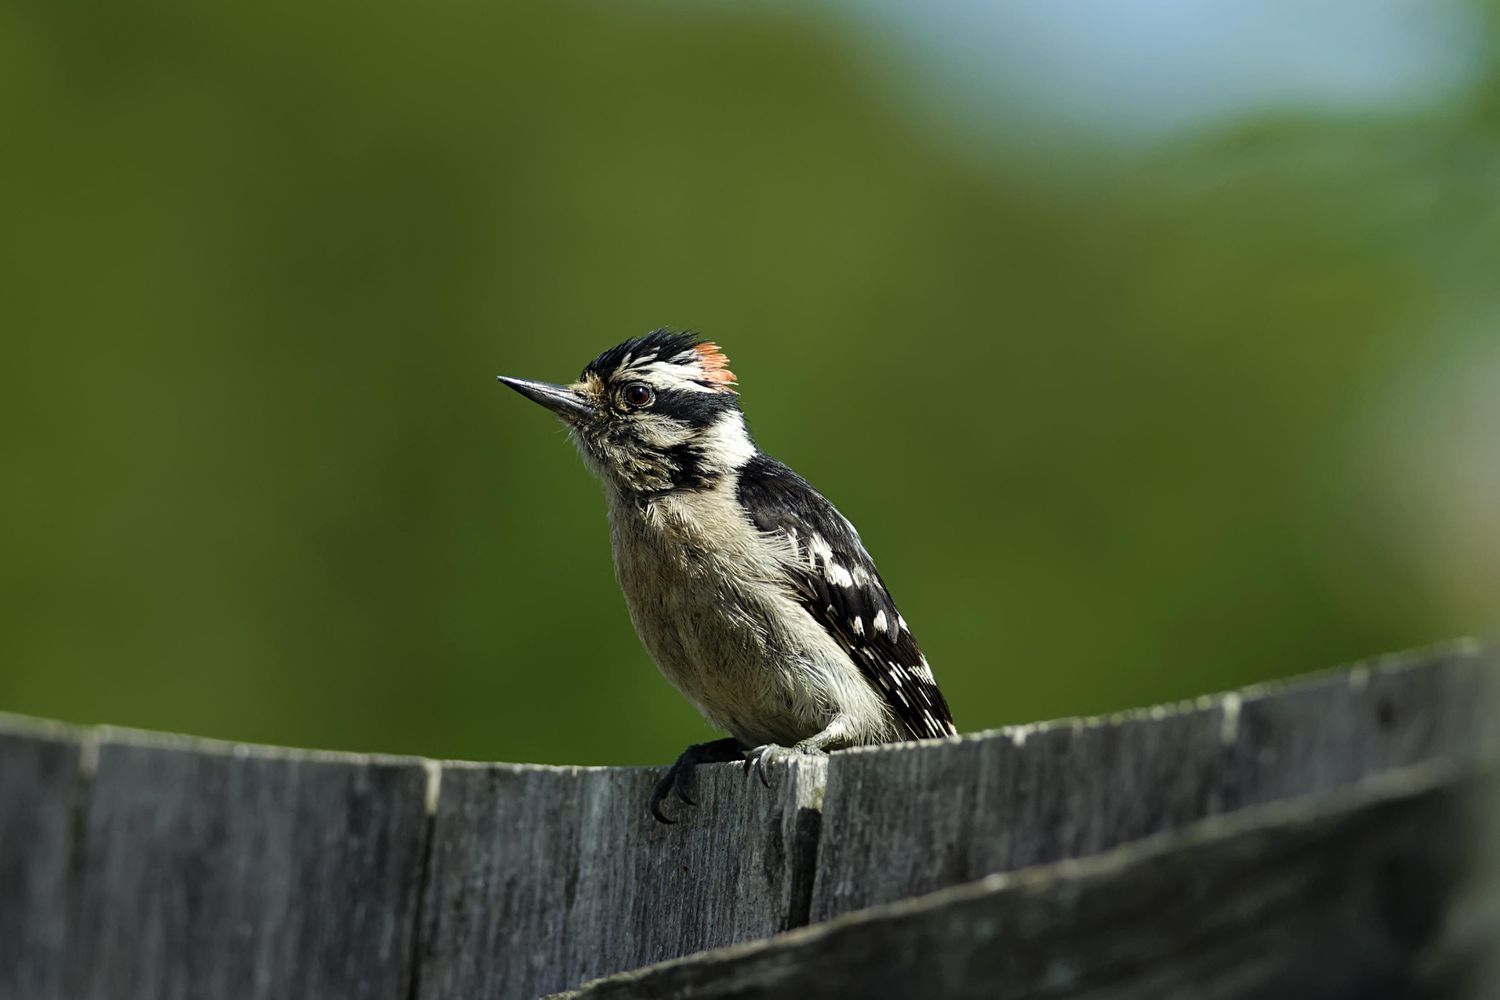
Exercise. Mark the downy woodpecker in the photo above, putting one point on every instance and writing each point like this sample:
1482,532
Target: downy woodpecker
752,593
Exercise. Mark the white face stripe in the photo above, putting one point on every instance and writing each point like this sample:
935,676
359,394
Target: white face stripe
669,375
726,442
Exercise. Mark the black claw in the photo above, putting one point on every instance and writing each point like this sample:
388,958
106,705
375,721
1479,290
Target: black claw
656,811
759,759
659,794
679,776
756,762
683,781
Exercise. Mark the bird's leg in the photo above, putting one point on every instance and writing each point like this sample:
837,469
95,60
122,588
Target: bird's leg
679,776
816,745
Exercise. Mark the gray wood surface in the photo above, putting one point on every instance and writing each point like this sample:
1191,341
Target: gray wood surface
542,877
901,821
218,871
135,865
1368,892
39,793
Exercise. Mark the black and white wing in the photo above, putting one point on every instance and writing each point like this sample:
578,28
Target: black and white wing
840,587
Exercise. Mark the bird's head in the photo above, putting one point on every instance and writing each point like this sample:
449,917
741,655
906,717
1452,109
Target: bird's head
654,415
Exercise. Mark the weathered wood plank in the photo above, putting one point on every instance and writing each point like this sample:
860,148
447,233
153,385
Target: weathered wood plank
899,821
1370,891
38,798
219,871
190,868
543,877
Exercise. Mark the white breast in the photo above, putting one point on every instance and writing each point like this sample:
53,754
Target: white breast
711,603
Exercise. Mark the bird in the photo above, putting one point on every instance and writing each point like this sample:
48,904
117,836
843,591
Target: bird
754,596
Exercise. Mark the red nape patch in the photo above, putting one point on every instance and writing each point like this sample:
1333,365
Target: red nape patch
715,367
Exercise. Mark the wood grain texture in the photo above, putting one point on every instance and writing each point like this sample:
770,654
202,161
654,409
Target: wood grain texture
900,821
1370,891
542,877
38,799
218,871
138,866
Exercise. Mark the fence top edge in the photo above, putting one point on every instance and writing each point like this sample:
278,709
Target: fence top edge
46,730
1356,674
91,738
123,736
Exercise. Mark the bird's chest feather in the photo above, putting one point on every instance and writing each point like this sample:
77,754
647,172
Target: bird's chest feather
687,568
699,583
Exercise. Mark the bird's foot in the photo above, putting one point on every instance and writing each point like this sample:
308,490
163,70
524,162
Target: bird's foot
760,758
679,777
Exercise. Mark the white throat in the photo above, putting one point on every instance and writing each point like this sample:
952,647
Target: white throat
726,442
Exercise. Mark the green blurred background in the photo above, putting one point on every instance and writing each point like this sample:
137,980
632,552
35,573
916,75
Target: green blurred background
1153,351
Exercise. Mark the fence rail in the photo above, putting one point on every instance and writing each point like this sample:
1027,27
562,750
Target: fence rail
1238,844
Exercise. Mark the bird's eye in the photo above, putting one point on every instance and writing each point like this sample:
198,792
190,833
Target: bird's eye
638,394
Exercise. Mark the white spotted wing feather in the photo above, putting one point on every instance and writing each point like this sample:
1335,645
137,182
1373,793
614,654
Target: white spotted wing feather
836,582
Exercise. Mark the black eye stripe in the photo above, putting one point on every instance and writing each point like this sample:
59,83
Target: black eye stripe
696,408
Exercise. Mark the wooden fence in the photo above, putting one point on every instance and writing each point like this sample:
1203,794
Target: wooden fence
1324,836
